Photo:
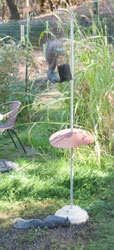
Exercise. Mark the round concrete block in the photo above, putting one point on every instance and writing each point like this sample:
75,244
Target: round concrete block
76,215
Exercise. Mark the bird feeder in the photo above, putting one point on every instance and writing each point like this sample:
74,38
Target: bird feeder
71,138
64,69
64,72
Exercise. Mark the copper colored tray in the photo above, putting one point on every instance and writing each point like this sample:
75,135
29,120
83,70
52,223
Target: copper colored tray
67,139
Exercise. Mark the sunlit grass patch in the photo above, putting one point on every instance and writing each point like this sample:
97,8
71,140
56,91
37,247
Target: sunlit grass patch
50,178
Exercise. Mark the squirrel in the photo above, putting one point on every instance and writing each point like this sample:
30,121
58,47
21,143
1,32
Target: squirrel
51,58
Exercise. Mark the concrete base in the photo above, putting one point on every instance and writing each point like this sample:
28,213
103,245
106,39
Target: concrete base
76,215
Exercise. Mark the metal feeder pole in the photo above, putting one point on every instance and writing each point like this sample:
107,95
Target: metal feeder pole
72,85
27,43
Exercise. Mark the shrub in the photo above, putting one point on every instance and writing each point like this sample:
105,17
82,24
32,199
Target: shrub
10,55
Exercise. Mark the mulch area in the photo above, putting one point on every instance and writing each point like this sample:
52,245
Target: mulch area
46,239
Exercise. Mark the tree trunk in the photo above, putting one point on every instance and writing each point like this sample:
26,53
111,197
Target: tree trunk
13,9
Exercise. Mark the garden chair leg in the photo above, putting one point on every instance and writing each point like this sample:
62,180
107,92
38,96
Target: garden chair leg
11,138
19,141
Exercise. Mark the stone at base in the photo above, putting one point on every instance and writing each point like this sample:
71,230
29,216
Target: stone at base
6,165
76,215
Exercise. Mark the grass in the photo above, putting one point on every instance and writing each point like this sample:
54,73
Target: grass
42,185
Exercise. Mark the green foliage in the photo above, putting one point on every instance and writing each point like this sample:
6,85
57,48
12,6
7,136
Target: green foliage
93,81
11,54
44,176
39,32
47,32
50,177
42,185
11,30
8,69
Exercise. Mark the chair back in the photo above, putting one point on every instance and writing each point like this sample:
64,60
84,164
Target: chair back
11,115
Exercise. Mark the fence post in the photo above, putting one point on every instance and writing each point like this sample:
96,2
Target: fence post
22,29
95,7
95,19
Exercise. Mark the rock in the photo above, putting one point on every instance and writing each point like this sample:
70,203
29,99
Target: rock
6,166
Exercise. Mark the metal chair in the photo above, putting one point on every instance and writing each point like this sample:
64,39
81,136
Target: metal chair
10,122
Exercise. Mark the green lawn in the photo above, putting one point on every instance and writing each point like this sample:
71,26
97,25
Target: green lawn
42,185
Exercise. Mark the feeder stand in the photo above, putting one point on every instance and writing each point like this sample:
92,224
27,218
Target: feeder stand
72,86
71,138
27,44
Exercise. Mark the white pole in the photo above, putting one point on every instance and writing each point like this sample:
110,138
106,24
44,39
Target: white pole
27,23
27,43
72,86
72,69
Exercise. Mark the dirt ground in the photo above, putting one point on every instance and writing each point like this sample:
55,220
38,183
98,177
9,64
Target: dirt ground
45,239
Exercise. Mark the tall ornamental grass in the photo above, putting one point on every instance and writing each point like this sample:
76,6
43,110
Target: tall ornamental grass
93,83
